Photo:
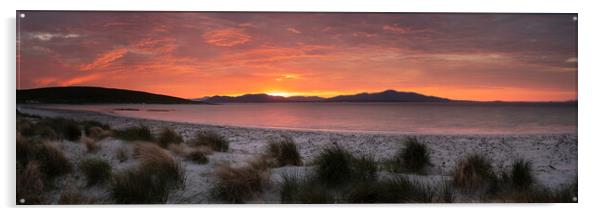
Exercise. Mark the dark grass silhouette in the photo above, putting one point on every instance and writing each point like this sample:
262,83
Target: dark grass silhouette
55,129
473,172
64,128
392,190
141,133
212,139
335,167
59,128
168,136
521,175
97,171
284,152
296,188
414,156
364,169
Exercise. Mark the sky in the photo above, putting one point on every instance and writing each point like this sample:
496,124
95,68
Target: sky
484,57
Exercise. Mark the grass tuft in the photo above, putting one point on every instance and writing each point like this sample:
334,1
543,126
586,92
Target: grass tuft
337,167
521,176
167,137
295,188
473,172
158,160
394,190
284,151
334,166
46,133
141,133
52,160
212,139
67,129
96,170
414,157
150,182
237,184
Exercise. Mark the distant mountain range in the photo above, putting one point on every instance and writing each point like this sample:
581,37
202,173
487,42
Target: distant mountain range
98,95
86,95
385,96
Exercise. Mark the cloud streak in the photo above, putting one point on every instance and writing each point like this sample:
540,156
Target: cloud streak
226,37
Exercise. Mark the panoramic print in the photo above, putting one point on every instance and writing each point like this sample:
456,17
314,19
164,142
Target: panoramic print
135,107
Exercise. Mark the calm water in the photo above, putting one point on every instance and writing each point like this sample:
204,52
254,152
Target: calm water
384,117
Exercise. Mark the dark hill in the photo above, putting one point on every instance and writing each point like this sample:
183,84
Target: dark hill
248,98
261,98
387,96
81,95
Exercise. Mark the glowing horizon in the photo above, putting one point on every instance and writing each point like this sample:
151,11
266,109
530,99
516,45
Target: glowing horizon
481,57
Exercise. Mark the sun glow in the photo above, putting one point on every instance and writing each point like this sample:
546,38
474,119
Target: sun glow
282,94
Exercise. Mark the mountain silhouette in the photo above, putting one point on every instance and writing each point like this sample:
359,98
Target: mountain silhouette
385,96
86,95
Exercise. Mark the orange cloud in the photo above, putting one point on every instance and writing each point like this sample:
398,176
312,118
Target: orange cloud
287,77
105,59
81,79
226,37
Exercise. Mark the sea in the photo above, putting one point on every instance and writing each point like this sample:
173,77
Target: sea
407,118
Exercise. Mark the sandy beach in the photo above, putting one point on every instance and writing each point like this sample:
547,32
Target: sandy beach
553,156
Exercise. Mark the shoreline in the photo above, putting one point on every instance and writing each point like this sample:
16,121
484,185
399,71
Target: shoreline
553,156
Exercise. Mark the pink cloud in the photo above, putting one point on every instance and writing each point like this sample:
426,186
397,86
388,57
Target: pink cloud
81,79
105,59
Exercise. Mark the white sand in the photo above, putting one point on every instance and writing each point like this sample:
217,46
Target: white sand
554,156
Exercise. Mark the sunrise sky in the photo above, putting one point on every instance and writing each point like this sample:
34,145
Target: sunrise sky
512,57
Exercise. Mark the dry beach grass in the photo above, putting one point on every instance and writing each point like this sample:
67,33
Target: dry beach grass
218,166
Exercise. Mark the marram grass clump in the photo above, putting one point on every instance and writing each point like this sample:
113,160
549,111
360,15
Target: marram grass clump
212,139
150,182
140,133
474,172
414,156
336,167
97,171
284,152
238,184
167,137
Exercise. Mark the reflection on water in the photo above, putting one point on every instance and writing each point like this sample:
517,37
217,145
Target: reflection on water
385,117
